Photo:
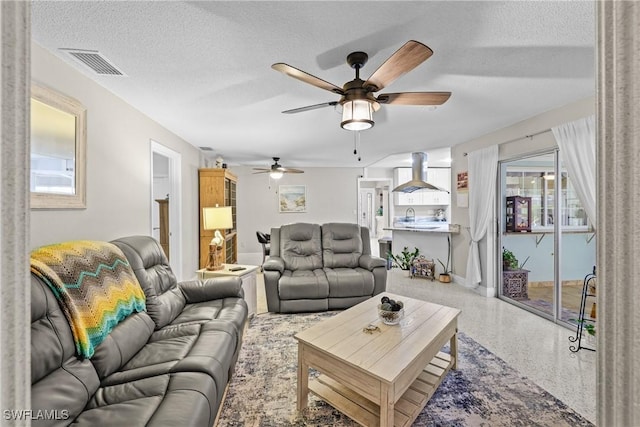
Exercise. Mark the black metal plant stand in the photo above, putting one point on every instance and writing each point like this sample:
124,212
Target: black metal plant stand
583,319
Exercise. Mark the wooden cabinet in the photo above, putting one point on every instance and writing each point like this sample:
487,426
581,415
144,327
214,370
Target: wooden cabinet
518,214
218,187
440,177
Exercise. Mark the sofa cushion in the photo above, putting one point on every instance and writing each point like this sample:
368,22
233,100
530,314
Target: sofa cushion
233,310
180,399
208,348
165,301
59,380
303,284
341,245
301,247
135,335
124,341
349,282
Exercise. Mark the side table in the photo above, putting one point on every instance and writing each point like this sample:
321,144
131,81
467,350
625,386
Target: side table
249,281
515,284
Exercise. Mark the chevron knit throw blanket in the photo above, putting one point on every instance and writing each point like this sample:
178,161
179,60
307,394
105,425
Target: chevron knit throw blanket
94,285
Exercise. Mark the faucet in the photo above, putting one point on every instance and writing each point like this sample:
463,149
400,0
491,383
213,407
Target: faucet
413,215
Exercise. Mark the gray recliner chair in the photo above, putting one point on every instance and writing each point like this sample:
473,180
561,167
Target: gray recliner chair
317,268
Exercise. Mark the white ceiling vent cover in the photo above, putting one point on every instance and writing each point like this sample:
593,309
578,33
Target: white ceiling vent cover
94,60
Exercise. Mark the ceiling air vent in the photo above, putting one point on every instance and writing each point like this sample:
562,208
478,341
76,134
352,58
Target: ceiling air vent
206,148
94,60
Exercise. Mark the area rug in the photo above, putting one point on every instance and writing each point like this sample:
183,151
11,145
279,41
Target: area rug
484,391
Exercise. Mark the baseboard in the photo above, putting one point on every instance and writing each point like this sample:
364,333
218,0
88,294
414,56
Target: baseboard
459,280
480,290
486,292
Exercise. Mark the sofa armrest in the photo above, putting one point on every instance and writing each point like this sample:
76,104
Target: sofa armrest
370,262
274,263
211,289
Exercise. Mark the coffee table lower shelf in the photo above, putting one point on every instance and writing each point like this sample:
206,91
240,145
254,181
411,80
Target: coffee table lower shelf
367,413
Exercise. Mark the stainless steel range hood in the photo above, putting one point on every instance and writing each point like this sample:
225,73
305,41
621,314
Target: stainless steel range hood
418,176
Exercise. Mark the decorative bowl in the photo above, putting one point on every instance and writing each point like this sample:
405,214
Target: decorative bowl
390,317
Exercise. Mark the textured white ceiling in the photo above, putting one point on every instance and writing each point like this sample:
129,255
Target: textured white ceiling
203,69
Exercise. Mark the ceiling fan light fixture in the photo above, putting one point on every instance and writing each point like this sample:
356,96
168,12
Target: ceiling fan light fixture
276,174
357,114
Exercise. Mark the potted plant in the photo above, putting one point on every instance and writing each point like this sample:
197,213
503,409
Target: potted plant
445,276
404,259
515,279
509,260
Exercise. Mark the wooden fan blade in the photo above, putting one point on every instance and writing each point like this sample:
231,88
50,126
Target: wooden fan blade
291,170
414,98
405,59
306,77
310,107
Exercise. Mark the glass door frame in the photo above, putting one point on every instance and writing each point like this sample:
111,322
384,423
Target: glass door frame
556,315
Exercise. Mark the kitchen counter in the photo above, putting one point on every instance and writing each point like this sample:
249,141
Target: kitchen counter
430,239
444,228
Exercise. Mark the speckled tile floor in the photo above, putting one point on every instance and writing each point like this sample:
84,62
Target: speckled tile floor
536,347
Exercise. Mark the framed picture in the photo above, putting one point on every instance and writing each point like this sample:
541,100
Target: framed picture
463,181
292,198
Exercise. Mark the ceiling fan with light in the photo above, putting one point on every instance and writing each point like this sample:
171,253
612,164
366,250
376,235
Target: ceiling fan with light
358,100
276,171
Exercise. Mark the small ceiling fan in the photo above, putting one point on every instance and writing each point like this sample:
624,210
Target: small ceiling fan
276,170
357,96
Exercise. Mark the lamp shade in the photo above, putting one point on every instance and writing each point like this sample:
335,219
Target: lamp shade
218,218
357,115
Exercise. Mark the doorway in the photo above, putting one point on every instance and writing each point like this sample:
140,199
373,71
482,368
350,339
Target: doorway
546,242
165,203
374,205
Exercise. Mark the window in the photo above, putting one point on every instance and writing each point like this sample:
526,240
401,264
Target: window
538,183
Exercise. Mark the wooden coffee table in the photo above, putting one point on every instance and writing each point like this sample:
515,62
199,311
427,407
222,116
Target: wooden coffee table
382,378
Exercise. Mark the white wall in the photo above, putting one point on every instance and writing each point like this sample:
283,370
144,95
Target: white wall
331,197
118,167
567,113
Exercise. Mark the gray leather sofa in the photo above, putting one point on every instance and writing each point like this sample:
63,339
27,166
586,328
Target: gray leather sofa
316,268
167,366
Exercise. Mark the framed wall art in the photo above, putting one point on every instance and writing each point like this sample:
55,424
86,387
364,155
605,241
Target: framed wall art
292,198
463,181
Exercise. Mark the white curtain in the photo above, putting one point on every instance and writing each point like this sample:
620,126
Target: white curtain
577,143
483,170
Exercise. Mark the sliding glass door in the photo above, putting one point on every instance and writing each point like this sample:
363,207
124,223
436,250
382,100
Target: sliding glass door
546,246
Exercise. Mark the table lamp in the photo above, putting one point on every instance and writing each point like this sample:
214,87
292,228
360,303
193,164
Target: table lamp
218,218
